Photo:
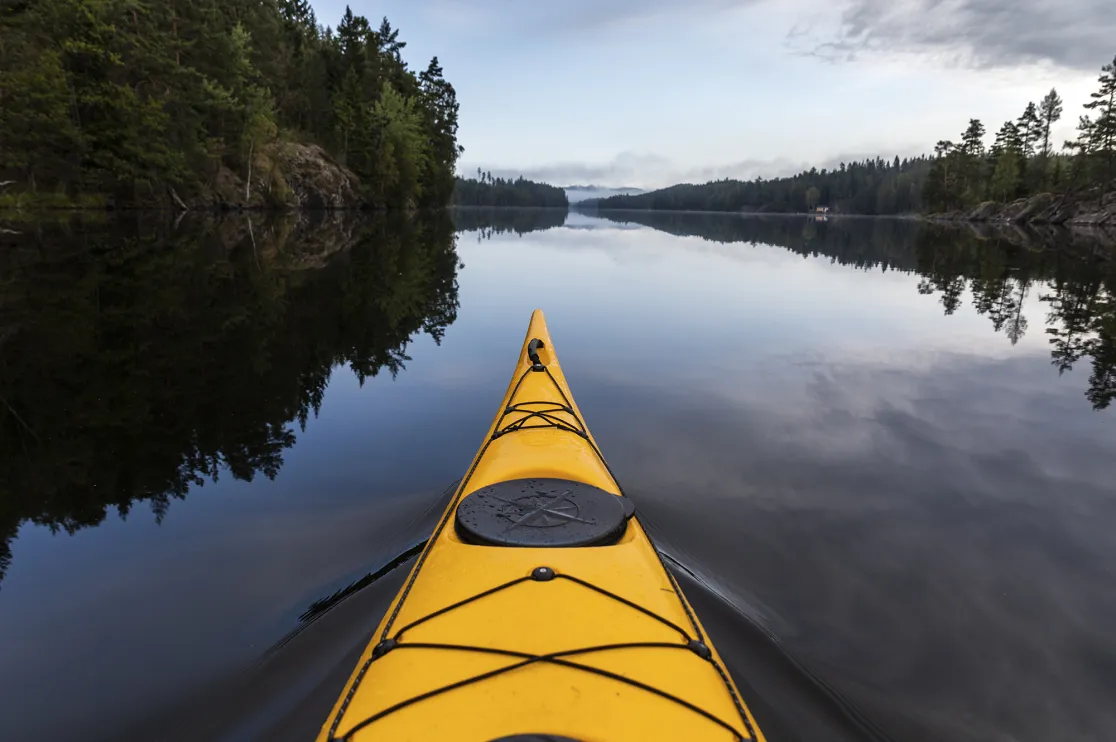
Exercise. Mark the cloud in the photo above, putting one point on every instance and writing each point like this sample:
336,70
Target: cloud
575,16
593,14
1077,34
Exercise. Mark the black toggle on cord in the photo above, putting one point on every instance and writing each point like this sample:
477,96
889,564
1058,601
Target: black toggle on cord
533,354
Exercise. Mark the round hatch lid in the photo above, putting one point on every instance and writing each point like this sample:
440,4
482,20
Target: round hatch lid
542,513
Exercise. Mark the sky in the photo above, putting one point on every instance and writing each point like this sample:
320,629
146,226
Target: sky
647,93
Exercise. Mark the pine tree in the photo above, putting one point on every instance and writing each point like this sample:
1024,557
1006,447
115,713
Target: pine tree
441,108
299,95
972,162
1050,112
940,185
352,35
388,40
403,148
1102,134
1006,158
41,141
1030,129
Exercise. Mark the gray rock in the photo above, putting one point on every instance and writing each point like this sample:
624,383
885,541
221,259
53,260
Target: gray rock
286,176
984,212
312,179
1059,212
1025,209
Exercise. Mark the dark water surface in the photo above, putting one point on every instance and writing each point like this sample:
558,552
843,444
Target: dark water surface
881,456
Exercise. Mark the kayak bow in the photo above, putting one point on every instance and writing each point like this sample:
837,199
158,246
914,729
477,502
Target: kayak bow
539,609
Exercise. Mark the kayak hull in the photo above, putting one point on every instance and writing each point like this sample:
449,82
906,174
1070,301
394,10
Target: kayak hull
592,643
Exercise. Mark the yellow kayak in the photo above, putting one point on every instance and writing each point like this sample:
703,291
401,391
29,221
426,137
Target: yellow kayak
539,609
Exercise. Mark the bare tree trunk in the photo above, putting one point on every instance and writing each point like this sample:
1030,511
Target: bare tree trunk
181,204
255,252
248,183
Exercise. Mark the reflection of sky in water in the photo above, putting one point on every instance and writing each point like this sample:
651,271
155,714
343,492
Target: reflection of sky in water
912,502
712,304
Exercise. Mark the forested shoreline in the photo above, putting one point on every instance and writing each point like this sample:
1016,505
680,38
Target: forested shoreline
254,104
485,190
963,179
108,102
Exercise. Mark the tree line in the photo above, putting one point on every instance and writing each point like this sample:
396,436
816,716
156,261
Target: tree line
874,187
485,190
1022,161
105,100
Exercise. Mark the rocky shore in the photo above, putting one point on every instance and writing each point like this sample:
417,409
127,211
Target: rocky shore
284,176
1086,222
1089,210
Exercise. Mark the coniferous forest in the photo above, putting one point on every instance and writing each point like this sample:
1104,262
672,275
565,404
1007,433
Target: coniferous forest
488,191
105,101
1023,160
112,102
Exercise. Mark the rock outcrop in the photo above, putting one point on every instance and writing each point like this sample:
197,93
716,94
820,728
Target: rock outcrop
285,176
984,212
1084,222
1081,210
312,179
1028,209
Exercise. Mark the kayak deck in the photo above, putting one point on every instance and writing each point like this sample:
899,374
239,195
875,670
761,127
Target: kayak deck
590,643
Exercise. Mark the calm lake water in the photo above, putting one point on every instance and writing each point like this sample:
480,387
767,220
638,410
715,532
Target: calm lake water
880,455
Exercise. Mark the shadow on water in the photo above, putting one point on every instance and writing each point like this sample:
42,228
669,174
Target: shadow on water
790,701
177,353
288,692
273,699
999,269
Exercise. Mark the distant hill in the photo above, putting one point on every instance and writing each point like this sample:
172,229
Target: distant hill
576,193
869,187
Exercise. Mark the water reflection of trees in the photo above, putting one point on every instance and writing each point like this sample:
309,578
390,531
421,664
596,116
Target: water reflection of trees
1074,276
1079,291
137,362
489,222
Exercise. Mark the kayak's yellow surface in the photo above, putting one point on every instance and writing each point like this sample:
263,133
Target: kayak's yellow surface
588,643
